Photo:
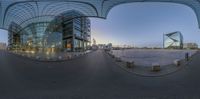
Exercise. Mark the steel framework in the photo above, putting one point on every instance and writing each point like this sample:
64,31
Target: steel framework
24,12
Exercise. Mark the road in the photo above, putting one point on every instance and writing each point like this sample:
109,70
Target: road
93,76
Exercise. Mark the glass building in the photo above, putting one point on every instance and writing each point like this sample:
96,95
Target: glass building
173,40
66,32
76,31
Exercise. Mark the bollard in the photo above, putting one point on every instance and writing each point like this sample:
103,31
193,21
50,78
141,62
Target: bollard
69,57
37,57
187,56
129,64
177,62
118,59
48,58
60,57
113,56
29,56
155,67
65,57
111,51
77,55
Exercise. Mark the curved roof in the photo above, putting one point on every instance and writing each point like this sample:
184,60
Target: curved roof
24,12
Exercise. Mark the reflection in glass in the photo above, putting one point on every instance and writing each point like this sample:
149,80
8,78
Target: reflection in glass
68,32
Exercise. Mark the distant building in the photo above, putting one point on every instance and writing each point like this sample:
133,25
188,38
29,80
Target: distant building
109,46
3,46
101,46
173,40
95,47
105,46
190,46
94,42
76,31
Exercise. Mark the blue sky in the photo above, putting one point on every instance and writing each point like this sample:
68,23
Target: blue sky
3,36
142,24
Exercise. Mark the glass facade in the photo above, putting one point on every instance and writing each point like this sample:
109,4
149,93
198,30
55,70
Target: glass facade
173,40
76,31
67,32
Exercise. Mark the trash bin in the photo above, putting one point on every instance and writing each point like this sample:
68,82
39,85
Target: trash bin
130,64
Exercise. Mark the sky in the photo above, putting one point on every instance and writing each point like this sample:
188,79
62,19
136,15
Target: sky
142,24
3,36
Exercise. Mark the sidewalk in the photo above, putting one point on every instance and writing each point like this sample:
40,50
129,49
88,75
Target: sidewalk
62,56
147,71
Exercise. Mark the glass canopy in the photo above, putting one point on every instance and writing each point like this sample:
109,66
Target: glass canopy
25,12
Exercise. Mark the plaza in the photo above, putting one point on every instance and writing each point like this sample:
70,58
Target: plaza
88,77
50,55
